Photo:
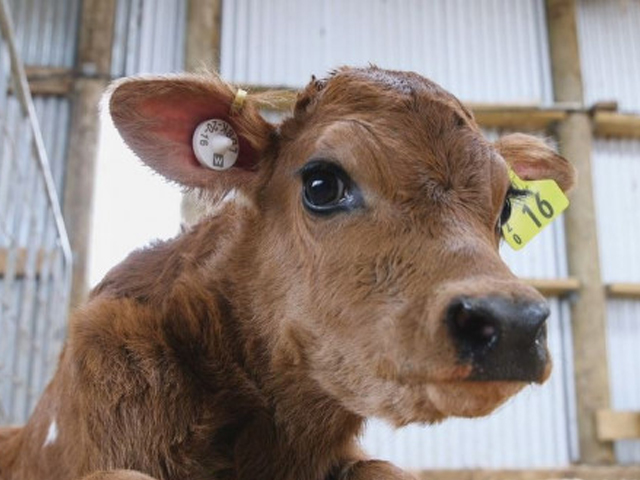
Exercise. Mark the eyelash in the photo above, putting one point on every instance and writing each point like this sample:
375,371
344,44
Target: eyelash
513,193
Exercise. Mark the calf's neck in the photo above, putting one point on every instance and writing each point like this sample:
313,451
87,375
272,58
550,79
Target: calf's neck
349,270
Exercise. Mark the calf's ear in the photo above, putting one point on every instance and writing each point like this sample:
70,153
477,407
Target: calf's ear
532,159
157,118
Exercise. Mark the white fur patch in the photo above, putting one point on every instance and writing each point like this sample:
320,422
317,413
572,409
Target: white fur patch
195,208
52,434
236,196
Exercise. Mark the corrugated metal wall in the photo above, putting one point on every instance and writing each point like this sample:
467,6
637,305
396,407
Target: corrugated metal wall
609,33
35,274
610,51
484,50
617,190
149,37
46,35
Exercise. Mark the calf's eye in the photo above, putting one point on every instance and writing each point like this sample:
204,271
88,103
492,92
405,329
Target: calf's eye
506,212
323,188
326,188
513,194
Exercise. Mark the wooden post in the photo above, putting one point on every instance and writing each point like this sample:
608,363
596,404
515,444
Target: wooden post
203,35
589,309
93,66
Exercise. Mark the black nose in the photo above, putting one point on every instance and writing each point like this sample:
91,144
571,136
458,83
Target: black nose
503,339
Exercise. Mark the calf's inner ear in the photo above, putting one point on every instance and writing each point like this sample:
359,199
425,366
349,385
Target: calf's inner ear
532,159
157,118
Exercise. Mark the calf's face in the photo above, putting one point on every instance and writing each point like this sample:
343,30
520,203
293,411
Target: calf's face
379,205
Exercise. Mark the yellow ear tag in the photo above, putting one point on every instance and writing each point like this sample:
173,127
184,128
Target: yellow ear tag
531,213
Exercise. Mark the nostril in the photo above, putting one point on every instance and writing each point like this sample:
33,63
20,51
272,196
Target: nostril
537,315
500,337
472,327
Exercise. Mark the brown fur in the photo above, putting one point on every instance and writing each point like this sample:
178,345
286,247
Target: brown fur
254,345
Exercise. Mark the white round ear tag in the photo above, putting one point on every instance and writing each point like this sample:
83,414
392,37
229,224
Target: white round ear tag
215,144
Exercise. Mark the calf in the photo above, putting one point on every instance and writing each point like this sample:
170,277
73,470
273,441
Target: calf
355,273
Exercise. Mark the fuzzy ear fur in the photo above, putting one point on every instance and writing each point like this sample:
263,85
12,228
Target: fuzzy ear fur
157,117
307,97
532,159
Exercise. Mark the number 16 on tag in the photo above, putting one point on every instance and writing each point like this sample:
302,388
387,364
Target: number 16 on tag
530,214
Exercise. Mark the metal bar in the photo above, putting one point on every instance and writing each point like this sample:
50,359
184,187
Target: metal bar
24,95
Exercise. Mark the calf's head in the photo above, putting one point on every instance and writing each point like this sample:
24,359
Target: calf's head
376,212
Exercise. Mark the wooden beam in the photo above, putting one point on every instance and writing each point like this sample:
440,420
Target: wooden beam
96,37
589,308
616,425
203,35
531,120
203,52
94,65
564,52
555,287
624,290
616,124
20,268
50,80
570,473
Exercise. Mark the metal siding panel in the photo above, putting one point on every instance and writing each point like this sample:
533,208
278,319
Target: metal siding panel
483,50
27,225
616,177
46,31
54,116
228,34
133,48
180,42
120,34
610,51
147,22
624,367
149,37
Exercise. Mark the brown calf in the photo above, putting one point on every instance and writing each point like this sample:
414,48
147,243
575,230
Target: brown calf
356,274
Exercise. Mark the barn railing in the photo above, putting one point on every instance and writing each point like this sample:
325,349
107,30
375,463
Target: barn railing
35,256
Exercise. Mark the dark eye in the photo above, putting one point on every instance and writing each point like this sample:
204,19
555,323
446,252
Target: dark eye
327,188
322,188
513,194
506,212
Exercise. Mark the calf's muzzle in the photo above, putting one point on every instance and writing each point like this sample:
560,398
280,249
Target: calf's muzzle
503,339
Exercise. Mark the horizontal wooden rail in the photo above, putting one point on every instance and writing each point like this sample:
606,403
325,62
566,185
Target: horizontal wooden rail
49,80
607,122
573,472
616,124
21,262
547,287
624,290
618,425
510,118
557,287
